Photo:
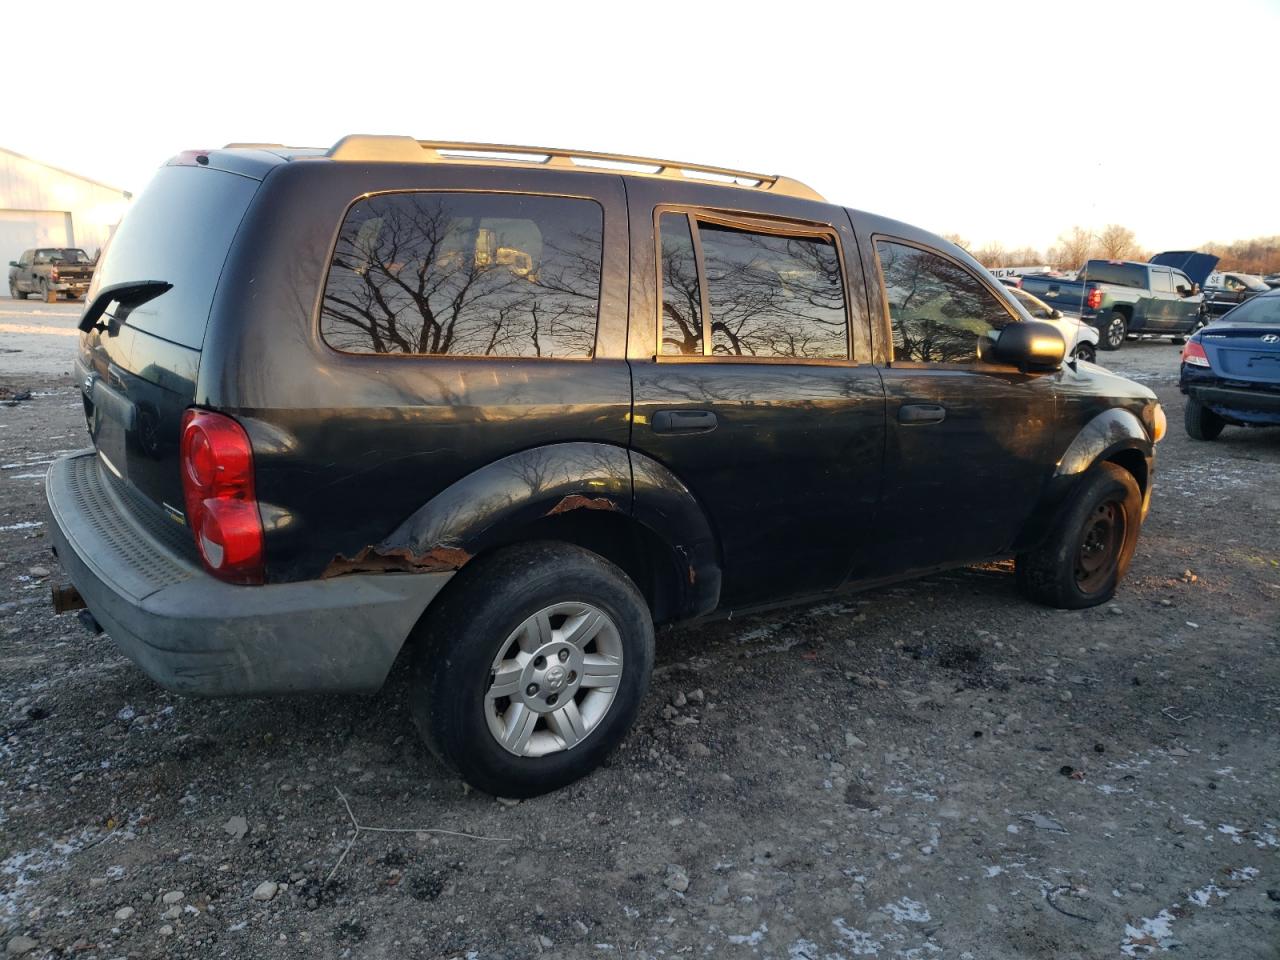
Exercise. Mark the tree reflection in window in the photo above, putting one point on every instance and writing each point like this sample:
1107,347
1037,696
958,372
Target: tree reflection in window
773,296
681,295
937,307
489,275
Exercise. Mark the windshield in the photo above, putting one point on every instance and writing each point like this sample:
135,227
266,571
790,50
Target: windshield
1037,308
1258,310
62,255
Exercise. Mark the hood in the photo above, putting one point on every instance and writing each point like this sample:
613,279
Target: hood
1197,266
1104,383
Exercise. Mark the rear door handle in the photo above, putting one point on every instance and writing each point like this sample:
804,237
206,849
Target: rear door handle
684,421
921,413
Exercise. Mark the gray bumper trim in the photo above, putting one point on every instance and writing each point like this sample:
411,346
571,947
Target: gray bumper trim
192,633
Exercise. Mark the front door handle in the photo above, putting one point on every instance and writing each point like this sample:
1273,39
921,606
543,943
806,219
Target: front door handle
684,421
921,413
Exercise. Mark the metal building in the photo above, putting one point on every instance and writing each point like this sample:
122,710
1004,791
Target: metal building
44,206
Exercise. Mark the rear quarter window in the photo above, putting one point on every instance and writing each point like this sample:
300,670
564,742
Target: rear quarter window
465,274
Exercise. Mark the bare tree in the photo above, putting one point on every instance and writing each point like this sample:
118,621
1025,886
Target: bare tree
991,255
1117,242
958,240
1024,257
1073,248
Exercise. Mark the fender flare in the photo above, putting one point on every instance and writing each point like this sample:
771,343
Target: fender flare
484,507
1111,432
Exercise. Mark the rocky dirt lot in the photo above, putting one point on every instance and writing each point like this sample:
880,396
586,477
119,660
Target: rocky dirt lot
933,770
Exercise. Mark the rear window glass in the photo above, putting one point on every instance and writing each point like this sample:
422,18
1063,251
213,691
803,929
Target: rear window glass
1257,310
178,230
466,274
1120,274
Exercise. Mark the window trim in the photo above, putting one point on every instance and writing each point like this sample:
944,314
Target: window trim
753,222
886,325
318,314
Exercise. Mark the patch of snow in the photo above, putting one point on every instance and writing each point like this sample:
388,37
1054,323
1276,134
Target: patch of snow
908,910
862,944
751,939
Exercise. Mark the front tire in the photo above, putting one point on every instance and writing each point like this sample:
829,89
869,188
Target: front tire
1114,331
1087,352
1089,550
530,669
15,293
1201,422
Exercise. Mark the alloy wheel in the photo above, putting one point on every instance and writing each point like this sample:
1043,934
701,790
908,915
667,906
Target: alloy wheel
554,679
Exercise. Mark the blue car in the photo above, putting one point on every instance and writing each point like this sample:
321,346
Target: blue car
1231,369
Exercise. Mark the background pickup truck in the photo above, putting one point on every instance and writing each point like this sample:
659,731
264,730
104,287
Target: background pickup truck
49,271
1120,297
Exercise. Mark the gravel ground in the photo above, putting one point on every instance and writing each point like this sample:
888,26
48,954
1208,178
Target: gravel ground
935,769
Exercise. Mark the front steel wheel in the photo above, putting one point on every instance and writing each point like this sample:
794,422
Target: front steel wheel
1088,550
1099,549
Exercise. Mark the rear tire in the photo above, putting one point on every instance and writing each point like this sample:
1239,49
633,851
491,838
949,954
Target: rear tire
1089,550
1201,422
1087,352
1114,331
530,669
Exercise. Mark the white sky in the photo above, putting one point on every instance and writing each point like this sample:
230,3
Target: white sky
1000,121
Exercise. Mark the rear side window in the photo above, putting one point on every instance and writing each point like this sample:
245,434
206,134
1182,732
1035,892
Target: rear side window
937,307
1160,282
465,274
178,230
1121,274
767,295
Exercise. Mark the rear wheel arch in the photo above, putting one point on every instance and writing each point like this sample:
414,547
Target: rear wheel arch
579,493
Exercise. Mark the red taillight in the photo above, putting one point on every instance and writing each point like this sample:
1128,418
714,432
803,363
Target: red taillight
1194,354
1095,299
217,483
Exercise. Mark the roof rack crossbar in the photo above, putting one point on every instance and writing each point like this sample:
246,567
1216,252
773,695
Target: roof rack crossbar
364,147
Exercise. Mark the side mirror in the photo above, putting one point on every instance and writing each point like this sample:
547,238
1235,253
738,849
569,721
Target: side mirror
1033,345
1055,313
13,263
1195,288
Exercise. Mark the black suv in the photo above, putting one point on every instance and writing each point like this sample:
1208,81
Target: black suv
514,406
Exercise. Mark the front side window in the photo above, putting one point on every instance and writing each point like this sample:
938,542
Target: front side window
769,295
1181,283
465,274
938,308
1160,282
1234,285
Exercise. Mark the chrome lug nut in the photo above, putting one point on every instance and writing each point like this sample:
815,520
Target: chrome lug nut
564,655
531,689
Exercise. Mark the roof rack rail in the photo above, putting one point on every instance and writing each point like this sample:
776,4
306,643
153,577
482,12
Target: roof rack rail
397,149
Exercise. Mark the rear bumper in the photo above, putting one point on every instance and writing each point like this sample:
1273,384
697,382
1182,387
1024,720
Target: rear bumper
1257,407
195,634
